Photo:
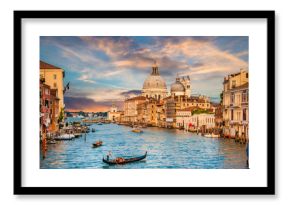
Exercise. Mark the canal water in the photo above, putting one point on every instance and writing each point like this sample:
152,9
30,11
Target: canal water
167,149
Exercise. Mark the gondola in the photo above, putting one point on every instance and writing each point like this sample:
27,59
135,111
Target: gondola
97,144
120,160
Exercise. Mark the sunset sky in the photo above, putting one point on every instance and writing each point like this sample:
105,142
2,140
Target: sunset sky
102,70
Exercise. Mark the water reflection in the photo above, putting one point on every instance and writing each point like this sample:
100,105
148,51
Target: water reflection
166,149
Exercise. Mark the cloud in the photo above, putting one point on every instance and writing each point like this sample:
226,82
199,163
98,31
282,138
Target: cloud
89,105
86,78
242,53
113,47
110,69
209,57
130,93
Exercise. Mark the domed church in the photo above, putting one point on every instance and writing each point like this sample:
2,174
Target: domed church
177,88
154,86
181,87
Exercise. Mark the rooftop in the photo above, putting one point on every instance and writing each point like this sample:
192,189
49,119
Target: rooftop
44,65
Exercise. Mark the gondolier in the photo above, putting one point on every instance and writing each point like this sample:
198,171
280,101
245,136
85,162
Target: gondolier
108,155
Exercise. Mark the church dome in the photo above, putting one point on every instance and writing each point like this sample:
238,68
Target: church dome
177,87
153,82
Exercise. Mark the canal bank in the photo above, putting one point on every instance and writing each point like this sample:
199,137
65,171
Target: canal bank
167,148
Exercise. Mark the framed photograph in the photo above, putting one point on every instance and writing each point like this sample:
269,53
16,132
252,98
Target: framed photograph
144,102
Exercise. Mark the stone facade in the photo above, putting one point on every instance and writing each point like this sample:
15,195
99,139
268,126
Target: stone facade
236,105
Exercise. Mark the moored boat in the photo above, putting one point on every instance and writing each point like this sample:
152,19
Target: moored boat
123,160
77,134
65,137
212,135
51,142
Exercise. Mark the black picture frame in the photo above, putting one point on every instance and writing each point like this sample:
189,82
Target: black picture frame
268,190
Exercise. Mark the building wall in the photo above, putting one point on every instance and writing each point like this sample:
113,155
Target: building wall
170,113
45,107
114,116
207,120
235,105
130,108
54,78
182,117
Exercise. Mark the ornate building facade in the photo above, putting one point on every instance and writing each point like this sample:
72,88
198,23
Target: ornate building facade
53,76
235,105
156,107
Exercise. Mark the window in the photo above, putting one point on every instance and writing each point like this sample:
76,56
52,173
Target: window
232,114
54,85
46,91
46,103
54,76
238,115
247,75
233,84
238,99
232,98
245,96
244,114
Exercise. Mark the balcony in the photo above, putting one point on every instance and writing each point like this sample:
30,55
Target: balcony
42,79
235,122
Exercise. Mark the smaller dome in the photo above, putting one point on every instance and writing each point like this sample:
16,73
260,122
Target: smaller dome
177,87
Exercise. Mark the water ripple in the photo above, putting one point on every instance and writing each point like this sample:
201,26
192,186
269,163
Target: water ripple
167,148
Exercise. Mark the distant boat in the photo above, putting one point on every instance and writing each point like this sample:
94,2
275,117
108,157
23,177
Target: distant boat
211,135
121,160
65,137
137,130
99,123
97,144
51,142
93,130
